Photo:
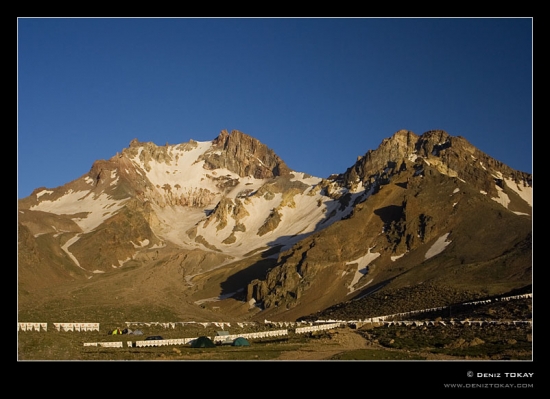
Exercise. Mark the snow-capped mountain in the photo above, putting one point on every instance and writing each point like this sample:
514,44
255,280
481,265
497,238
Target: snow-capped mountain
232,195
200,207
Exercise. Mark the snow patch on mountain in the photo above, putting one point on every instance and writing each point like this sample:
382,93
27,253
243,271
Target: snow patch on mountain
174,223
299,215
66,246
258,209
41,193
121,263
306,213
438,246
142,244
502,198
524,191
96,208
394,258
362,268
245,187
305,178
181,170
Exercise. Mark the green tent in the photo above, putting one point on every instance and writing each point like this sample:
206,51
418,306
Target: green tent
241,342
203,342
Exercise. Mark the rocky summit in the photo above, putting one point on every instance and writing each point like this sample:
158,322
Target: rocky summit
224,229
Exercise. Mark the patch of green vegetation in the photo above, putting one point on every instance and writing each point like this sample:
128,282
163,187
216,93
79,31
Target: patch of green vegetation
233,353
55,345
34,345
487,342
376,354
489,350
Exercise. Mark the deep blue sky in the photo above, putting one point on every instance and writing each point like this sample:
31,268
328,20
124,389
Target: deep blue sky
318,91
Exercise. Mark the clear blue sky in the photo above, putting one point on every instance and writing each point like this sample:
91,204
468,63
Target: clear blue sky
318,91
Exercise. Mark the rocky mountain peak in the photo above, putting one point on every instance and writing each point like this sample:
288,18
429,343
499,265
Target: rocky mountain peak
244,155
451,155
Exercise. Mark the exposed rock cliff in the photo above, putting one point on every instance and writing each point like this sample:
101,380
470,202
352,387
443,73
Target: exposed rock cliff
245,156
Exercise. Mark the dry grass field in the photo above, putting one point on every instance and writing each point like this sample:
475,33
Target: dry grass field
339,344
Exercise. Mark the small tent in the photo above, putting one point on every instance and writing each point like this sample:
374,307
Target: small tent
241,342
202,342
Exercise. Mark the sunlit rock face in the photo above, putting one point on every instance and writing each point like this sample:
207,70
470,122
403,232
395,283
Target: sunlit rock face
245,156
